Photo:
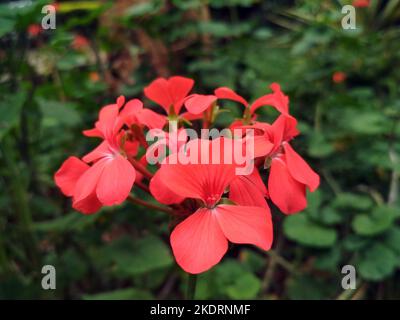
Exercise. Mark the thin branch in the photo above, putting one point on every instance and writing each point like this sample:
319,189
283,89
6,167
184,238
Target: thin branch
144,203
142,186
141,168
394,181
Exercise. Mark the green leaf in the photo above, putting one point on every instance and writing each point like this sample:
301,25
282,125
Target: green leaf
392,241
73,221
352,200
244,287
329,261
133,257
6,26
10,109
354,242
230,279
306,287
122,294
301,229
376,223
368,123
329,216
144,8
319,147
56,112
377,262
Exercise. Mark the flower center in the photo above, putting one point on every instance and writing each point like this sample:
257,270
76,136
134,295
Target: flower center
212,200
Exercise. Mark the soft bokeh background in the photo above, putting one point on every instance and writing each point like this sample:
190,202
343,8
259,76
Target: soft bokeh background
344,89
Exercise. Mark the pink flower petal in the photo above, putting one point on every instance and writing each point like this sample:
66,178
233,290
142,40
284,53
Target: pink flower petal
69,173
288,194
299,169
116,181
198,242
244,224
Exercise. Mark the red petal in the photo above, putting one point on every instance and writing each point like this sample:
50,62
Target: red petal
88,205
200,181
158,91
227,93
299,169
161,192
93,133
248,190
67,176
86,184
169,92
116,181
120,101
284,129
109,123
198,242
249,225
197,103
151,119
179,88
277,100
262,146
130,111
288,194
102,150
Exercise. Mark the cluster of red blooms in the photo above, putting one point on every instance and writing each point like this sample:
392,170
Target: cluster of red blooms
211,204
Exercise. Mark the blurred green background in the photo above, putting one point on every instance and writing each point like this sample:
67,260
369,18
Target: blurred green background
344,89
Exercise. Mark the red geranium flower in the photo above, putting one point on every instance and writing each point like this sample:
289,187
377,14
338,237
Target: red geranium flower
172,93
277,99
289,173
109,180
201,240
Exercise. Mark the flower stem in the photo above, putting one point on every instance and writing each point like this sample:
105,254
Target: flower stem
141,168
191,288
142,186
149,205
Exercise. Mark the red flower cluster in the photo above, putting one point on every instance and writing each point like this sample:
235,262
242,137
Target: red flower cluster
212,204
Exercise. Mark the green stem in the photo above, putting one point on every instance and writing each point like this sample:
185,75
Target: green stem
3,254
144,203
21,203
191,288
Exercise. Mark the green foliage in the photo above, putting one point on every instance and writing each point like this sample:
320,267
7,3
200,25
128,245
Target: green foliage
130,258
51,91
304,231
231,280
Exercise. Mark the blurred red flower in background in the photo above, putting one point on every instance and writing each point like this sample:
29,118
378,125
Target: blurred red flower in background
338,77
34,30
79,42
361,3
